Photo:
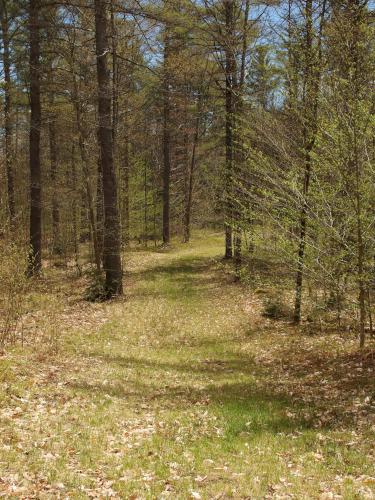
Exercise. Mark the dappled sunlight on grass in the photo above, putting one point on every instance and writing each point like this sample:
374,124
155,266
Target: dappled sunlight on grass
180,392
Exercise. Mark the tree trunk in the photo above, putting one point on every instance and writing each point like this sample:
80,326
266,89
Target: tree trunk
239,157
355,164
154,206
73,186
302,240
361,270
312,73
230,68
100,208
35,255
86,177
190,175
9,153
112,234
125,212
115,75
145,205
189,188
56,243
166,140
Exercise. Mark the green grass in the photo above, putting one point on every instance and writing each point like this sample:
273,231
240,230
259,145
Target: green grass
184,391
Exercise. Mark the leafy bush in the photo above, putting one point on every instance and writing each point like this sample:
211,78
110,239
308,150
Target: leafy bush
276,308
96,290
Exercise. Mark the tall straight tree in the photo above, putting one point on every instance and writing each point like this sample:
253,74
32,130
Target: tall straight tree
53,141
239,157
4,18
166,137
230,77
353,67
78,90
312,57
112,234
35,255
190,172
56,243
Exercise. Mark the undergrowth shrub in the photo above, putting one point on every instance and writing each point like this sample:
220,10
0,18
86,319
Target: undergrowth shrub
95,290
13,282
275,307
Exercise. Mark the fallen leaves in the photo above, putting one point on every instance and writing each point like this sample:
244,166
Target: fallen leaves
131,405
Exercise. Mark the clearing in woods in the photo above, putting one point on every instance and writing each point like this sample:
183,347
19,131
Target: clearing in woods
182,390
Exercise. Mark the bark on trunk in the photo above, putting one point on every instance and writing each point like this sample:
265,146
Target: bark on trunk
73,187
145,205
35,255
125,170
239,157
230,68
312,74
112,235
166,140
115,75
190,174
9,154
86,178
302,240
361,269
56,242
355,164
100,208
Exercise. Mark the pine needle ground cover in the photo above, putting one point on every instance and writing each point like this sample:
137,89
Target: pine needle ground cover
181,389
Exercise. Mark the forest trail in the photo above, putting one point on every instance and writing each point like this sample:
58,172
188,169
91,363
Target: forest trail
183,390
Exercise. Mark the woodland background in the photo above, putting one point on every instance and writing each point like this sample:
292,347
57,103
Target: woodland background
256,116
187,268
133,122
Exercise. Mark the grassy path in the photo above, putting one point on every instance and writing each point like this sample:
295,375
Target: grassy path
182,390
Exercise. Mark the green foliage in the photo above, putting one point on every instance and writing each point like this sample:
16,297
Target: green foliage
264,79
275,308
95,290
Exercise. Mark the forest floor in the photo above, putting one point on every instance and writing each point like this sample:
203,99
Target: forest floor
181,390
